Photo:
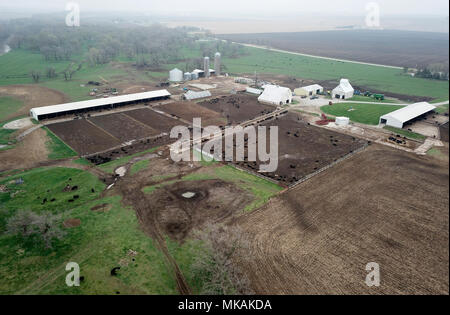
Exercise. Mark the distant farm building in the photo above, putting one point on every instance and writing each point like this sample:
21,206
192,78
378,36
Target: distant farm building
309,90
53,111
344,90
176,75
197,73
276,95
406,114
191,95
254,91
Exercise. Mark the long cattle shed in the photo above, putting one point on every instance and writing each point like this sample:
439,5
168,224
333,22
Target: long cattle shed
400,117
46,112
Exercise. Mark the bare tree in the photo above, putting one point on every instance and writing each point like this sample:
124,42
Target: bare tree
215,264
27,224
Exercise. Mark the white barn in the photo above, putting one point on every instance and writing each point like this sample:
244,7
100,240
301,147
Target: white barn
400,117
53,111
309,90
276,95
344,90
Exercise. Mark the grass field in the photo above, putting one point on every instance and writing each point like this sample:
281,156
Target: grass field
8,105
100,243
406,133
362,98
379,78
362,113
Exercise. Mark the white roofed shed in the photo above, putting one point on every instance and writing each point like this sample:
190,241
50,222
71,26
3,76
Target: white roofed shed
399,117
276,95
61,109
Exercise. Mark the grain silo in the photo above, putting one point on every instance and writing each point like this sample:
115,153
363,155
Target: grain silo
206,67
187,76
176,75
218,63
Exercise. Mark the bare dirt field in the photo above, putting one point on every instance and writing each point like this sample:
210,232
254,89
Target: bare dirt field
396,48
123,127
237,108
32,96
153,119
84,137
27,153
382,205
304,149
444,132
190,110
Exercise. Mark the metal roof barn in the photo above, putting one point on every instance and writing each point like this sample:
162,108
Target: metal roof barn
191,95
55,110
398,118
344,90
276,95
309,90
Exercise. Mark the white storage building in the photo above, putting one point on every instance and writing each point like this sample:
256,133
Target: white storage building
44,112
191,95
253,91
176,75
309,90
400,117
276,95
344,90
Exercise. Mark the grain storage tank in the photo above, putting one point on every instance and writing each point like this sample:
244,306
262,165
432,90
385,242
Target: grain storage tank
206,67
194,76
176,75
187,76
218,63
342,121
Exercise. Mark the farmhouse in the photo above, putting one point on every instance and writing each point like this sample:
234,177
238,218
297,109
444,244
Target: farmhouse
400,117
46,112
344,90
309,90
276,95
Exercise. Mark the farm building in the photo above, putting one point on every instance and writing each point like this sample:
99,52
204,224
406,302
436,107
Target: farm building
176,75
191,95
309,90
46,112
400,117
276,95
201,73
344,90
253,91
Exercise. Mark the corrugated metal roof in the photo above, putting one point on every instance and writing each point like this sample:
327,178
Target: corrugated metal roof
191,95
312,88
46,110
254,91
412,111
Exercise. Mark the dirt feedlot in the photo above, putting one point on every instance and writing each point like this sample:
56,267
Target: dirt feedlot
305,149
190,110
100,133
238,108
382,205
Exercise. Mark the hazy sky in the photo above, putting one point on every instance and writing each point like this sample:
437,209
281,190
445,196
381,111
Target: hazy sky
239,7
